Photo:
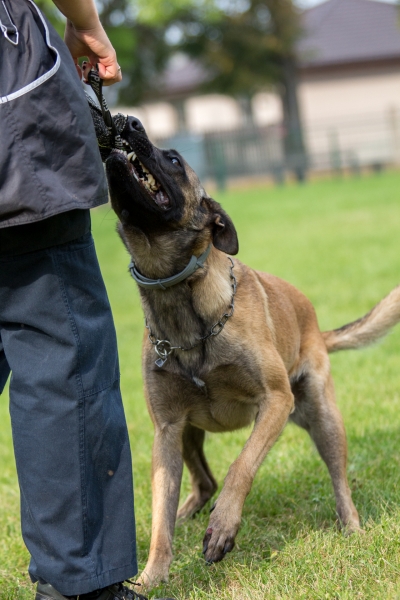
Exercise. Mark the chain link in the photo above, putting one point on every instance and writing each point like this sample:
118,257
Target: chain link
164,348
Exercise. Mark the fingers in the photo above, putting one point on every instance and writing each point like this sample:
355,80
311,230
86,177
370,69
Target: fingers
95,45
85,68
78,69
108,75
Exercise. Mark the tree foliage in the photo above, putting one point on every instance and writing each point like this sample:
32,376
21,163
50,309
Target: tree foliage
53,14
137,32
244,44
139,39
247,45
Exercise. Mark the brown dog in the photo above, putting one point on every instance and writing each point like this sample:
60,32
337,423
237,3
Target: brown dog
233,346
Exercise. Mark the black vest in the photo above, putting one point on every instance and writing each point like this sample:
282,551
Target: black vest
49,158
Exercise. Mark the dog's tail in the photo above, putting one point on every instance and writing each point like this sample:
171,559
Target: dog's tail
368,329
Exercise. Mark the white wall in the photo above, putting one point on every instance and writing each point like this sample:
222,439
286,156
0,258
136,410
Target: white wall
159,118
357,115
212,112
349,96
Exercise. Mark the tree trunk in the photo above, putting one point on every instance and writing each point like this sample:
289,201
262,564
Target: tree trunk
295,152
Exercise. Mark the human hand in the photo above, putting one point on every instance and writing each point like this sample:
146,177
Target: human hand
94,44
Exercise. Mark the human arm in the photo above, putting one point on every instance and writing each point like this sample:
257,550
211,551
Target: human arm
85,36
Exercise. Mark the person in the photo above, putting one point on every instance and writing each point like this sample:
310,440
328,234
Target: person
57,336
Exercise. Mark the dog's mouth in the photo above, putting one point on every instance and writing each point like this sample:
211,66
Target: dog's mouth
134,141
144,177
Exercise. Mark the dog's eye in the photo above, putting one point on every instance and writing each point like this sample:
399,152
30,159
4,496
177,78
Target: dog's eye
175,161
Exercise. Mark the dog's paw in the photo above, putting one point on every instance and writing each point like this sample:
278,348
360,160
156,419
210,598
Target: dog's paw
219,538
192,505
150,578
349,521
352,528
187,511
216,545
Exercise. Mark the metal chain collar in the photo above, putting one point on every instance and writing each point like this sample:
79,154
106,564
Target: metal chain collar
164,348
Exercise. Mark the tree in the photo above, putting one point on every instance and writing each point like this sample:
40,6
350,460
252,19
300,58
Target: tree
53,14
138,36
247,45
141,48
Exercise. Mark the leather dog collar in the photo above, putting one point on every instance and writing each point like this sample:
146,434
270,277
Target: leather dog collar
162,284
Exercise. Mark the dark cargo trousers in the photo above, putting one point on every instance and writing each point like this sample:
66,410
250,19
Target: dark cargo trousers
70,437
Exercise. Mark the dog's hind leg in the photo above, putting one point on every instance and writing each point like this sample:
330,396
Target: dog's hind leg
316,411
202,480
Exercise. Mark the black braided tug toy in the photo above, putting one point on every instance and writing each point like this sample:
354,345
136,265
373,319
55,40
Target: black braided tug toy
108,128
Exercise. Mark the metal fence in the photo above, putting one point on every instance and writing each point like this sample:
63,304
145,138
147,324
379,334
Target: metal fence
368,141
363,141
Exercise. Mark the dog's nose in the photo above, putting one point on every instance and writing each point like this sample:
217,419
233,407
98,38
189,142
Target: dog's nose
134,125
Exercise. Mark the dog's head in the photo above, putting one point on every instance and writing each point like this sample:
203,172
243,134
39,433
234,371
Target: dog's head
156,192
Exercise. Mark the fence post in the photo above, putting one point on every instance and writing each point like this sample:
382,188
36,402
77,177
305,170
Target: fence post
219,165
394,128
334,152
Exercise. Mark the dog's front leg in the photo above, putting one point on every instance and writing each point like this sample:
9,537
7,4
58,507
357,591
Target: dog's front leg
167,468
226,516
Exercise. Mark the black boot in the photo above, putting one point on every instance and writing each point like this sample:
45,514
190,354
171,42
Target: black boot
118,591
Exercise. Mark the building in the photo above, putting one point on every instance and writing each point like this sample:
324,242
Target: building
349,91
349,88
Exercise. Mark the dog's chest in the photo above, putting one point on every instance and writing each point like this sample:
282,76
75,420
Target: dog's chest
226,398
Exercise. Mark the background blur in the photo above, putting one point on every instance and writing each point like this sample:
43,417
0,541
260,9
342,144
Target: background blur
261,88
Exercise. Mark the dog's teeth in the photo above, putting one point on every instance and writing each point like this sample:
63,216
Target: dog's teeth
131,156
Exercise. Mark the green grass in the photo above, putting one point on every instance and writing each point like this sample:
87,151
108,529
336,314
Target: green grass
339,242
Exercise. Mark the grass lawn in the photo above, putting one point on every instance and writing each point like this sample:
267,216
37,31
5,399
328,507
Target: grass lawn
339,242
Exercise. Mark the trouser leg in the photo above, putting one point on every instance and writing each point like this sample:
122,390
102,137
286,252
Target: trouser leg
69,431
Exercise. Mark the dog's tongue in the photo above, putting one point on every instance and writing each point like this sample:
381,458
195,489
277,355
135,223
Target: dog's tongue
162,199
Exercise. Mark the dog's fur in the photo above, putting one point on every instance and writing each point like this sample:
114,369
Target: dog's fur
269,364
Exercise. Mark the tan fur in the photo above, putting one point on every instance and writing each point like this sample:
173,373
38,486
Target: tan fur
268,365
369,329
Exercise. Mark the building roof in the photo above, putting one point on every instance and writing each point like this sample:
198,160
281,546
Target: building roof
335,33
182,76
349,31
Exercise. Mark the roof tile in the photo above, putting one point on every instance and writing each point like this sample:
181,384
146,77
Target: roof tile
340,31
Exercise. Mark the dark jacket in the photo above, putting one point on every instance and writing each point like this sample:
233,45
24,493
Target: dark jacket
49,158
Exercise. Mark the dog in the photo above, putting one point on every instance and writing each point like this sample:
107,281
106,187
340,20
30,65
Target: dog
224,346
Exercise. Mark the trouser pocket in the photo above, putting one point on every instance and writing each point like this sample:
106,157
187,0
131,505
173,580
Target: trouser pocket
28,57
7,26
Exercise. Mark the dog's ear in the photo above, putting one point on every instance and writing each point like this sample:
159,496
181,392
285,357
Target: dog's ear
223,230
